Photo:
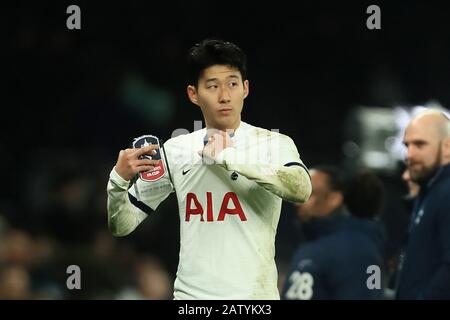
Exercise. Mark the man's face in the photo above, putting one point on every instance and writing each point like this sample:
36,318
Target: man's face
220,93
423,151
321,202
413,188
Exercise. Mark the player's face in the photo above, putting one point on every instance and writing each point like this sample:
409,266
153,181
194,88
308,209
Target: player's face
319,203
423,151
220,94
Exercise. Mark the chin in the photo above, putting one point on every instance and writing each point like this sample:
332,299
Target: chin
225,125
423,176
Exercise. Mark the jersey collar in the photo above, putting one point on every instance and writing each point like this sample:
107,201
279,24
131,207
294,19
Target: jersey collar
239,131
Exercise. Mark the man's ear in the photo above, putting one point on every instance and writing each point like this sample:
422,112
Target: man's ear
246,88
192,94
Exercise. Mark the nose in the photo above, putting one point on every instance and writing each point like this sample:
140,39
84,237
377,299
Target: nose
405,176
224,95
410,154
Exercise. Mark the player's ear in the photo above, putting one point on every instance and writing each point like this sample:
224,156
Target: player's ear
192,94
246,88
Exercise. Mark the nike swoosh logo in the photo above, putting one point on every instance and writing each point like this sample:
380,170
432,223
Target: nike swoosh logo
184,172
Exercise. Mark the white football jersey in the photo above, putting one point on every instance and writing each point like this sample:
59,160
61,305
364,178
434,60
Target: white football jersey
228,222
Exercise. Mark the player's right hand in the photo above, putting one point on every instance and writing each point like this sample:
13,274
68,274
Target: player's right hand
129,163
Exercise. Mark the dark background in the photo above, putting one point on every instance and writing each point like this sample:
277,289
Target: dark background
74,98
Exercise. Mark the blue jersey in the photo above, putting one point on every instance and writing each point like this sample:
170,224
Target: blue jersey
339,262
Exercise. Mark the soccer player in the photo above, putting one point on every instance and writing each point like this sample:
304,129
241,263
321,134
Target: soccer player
230,179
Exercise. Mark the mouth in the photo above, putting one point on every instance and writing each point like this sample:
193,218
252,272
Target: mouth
225,111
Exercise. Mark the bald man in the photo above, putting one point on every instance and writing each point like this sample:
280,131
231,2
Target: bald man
425,267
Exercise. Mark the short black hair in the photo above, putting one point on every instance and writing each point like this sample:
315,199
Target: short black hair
211,52
365,195
336,179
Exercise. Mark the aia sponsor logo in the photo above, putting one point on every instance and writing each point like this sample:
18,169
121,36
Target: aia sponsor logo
230,206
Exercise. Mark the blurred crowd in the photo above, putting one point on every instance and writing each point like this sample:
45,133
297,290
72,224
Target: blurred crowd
59,221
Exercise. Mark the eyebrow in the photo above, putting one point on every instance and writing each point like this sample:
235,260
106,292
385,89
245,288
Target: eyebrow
233,76
415,141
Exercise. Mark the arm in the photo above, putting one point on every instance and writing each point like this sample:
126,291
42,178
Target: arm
286,177
438,286
123,217
291,183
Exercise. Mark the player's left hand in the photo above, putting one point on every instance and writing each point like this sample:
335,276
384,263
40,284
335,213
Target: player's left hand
216,143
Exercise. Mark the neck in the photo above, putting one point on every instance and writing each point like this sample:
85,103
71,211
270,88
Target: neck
231,129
